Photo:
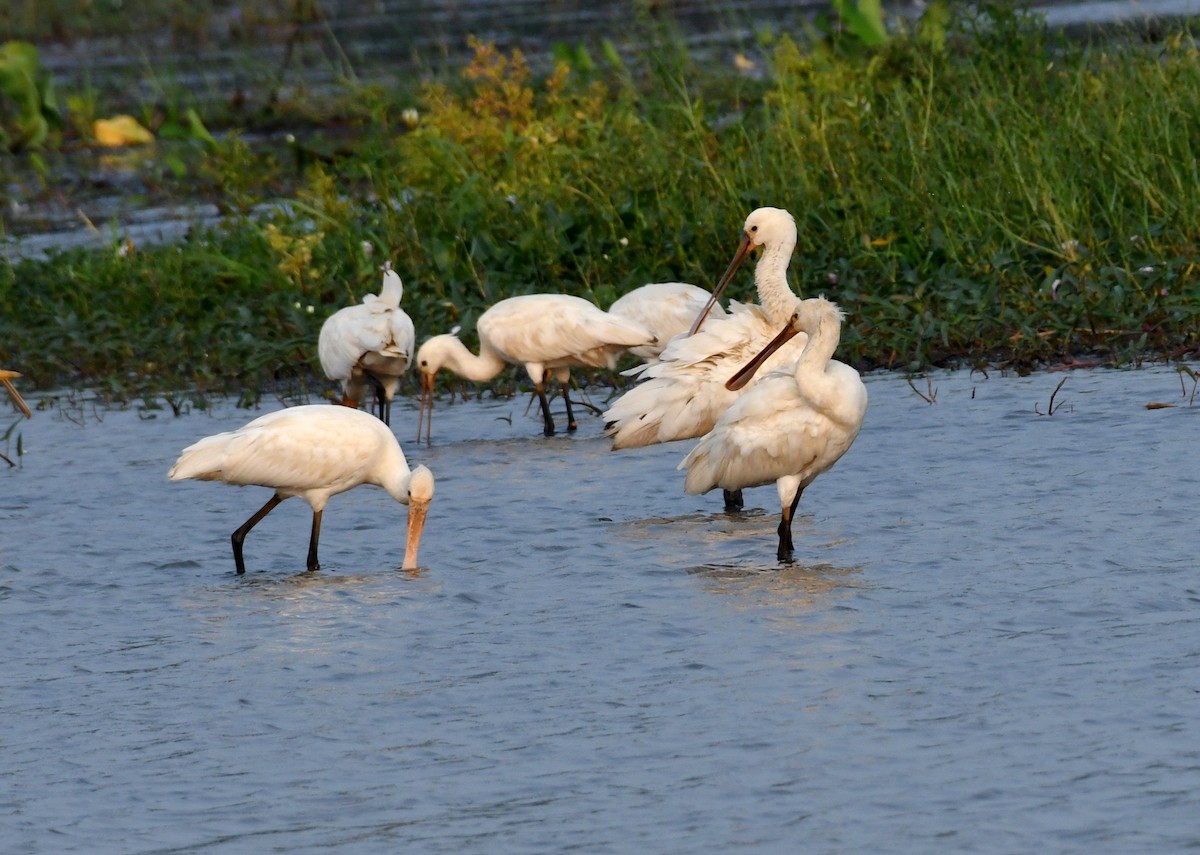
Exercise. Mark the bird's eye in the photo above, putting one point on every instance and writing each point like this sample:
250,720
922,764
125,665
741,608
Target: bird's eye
754,228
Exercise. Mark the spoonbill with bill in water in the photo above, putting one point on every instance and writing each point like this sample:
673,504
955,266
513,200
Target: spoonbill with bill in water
546,333
314,452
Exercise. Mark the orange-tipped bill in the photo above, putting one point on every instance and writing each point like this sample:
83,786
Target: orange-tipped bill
6,377
425,413
416,524
737,381
744,248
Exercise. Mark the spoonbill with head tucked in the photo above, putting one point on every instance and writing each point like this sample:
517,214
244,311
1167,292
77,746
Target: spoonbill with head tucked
683,394
667,309
547,333
313,452
6,377
791,426
369,344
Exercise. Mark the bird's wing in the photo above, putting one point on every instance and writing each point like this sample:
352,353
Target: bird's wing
553,328
402,334
770,432
667,308
683,394
349,333
286,450
761,437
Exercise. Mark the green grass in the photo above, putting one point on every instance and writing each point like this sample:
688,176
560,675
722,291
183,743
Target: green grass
991,195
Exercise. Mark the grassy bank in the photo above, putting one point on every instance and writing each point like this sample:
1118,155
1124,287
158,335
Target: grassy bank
974,191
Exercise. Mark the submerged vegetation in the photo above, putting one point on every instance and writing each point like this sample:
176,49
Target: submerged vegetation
972,189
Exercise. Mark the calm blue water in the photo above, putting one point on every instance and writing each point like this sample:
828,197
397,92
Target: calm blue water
990,641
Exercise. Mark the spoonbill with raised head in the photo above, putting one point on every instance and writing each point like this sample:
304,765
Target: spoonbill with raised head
369,344
314,452
682,395
791,426
546,333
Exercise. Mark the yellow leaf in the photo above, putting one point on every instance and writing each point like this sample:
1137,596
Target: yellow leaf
121,130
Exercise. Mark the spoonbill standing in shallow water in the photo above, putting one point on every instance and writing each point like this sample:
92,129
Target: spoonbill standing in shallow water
6,377
791,426
313,452
369,344
667,309
683,394
547,333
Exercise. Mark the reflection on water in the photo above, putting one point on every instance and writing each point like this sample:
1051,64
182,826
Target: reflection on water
991,615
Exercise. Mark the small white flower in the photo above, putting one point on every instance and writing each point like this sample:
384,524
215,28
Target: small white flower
1071,246
411,117
368,248
1147,269
832,278
309,309
1136,239
624,241
296,305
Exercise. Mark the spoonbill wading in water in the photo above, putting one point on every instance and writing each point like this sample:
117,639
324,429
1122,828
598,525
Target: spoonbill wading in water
683,394
667,309
369,344
547,333
313,452
791,426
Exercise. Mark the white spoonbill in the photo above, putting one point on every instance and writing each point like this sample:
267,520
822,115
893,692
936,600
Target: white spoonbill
683,394
369,344
547,333
313,452
791,426
6,377
667,308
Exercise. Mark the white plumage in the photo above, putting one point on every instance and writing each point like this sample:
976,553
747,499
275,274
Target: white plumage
369,344
668,309
313,452
546,333
791,426
682,395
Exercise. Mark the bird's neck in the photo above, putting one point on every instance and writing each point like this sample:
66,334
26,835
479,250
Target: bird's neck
392,291
394,474
822,343
770,277
820,385
469,366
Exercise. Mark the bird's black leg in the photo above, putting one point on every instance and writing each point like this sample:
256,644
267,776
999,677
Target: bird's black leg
566,390
733,500
548,422
313,564
239,536
786,549
382,405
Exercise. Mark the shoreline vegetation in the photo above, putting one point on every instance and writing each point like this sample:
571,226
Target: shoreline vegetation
972,188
